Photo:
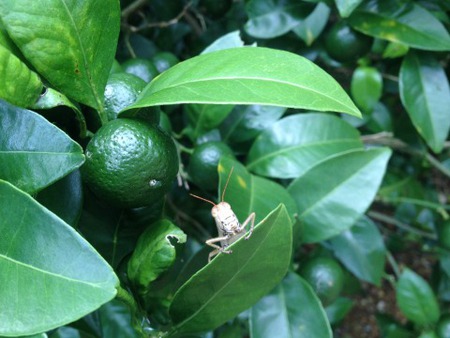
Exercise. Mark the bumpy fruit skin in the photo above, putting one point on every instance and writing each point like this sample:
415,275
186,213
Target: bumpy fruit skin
325,277
204,161
130,163
344,44
121,90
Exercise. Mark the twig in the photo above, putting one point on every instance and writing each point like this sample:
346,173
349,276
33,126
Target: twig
393,264
188,219
390,220
134,6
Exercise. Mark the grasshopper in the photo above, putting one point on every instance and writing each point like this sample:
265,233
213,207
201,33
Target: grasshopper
228,225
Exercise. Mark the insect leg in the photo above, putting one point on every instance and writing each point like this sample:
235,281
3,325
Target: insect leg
251,218
217,248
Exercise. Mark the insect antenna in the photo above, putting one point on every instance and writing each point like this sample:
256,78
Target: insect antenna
203,199
226,184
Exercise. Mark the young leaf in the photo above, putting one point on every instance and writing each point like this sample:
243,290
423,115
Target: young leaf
248,193
248,75
290,310
21,86
293,145
416,299
57,274
154,253
222,289
33,152
71,43
361,249
332,195
346,7
407,23
425,93
366,88
272,18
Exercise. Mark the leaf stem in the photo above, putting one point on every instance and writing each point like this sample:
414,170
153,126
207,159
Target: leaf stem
441,209
387,139
390,220
393,264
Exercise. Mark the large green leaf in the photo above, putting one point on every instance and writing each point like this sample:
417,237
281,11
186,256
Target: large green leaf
416,299
332,195
71,43
293,145
21,86
361,249
248,193
407,23
271,18
291,310
50,274
154,253
33,152
425,93
248,75
223,288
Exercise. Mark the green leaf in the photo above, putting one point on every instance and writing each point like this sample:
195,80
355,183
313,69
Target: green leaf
52,98
425,93
366,87
248,75
332,195
230,40
71,43
311,27
33,152
416,299
205,117
64,198
221,290
361,249
339,309
407,23
21,86
115,321
395,50
154,253
114,232
57,274
245,122
293,145
272,18
248,193
291,310
346,7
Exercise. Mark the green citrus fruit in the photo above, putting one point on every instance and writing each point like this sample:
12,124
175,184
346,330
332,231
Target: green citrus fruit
344,44
444,235
325,276
143,68
121,90
443,326
164,60
130,163
204,161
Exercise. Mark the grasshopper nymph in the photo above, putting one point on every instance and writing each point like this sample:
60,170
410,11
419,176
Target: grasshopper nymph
228,226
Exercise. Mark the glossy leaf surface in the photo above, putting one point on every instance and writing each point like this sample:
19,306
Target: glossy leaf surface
293,145
230,40
312,26
57,274
248,75
407,23
272,18
221,290
425,93
346,7
278,314
44,156
84,43
361,249
416,299
323,193
154,253
21,86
